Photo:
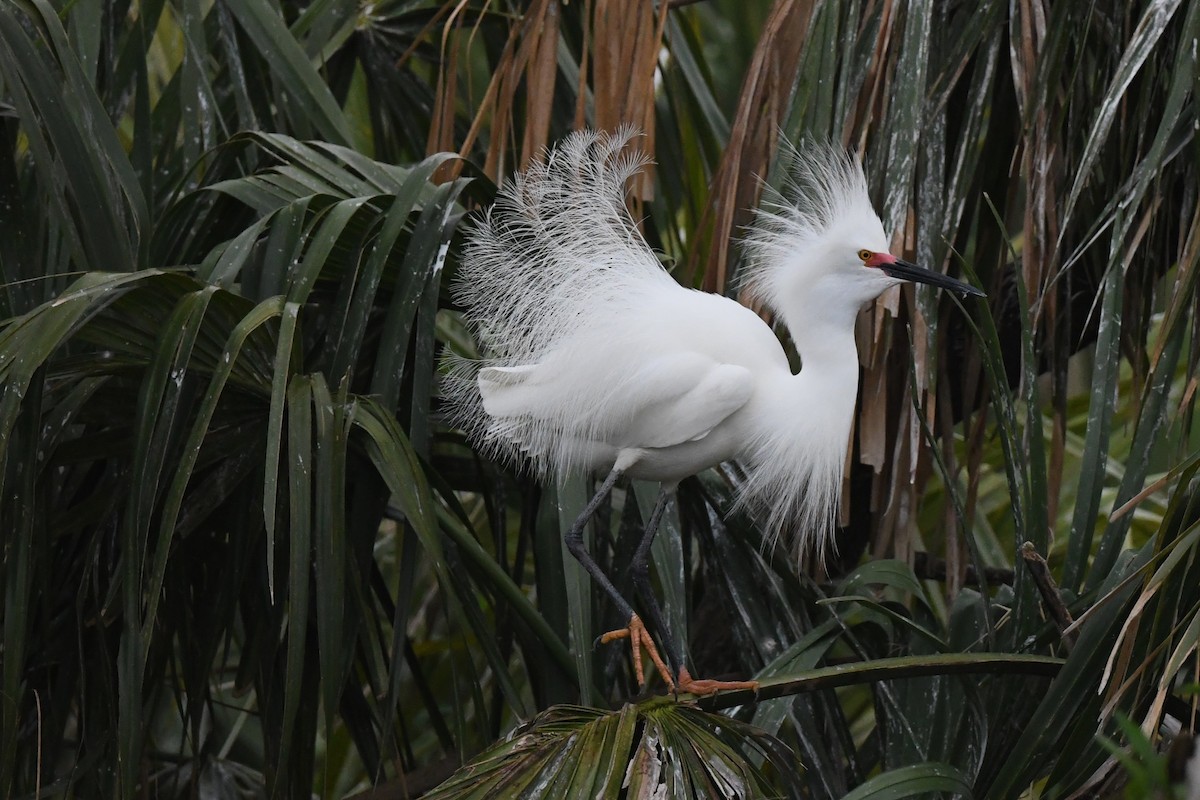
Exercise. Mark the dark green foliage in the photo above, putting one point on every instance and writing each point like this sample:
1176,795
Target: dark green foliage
241,554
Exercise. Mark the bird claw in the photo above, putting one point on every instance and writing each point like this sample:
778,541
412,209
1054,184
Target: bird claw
638,638
689,685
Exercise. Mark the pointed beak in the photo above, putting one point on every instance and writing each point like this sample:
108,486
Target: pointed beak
911,272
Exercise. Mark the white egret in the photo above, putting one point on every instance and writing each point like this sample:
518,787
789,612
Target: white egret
598,361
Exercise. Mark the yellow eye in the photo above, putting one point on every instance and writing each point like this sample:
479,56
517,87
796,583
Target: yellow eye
865,255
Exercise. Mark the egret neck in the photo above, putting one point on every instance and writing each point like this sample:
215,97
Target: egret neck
823,333
814,406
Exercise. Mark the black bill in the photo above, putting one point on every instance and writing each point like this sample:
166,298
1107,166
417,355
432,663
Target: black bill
911,272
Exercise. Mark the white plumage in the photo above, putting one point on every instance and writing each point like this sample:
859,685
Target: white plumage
596,358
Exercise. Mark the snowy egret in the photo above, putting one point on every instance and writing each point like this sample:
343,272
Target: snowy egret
598,361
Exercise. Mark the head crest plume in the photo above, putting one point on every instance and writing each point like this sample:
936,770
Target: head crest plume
823,185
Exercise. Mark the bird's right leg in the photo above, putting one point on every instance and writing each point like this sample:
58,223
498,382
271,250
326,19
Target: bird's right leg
636,632
641,579
640,568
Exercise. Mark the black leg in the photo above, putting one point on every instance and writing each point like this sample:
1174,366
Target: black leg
640,567
637,633
574,540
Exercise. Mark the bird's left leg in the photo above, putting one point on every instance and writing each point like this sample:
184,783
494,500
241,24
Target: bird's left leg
640,567
636,632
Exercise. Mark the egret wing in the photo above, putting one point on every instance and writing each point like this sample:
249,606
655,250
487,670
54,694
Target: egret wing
679,399
668,400
510,391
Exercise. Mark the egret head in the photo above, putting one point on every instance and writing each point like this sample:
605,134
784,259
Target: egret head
818,247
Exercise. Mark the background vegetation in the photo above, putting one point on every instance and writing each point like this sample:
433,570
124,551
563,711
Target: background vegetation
242,558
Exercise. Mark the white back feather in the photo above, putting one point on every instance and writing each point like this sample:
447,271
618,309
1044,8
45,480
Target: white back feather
553,260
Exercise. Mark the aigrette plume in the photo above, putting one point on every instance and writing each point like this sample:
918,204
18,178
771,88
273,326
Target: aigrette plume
557,257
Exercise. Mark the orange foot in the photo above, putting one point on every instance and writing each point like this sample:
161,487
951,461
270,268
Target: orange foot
639,637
